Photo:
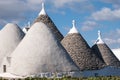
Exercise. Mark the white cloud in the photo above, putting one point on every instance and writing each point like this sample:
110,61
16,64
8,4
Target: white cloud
118,31
112,38
89,25
113,43
2,22
11,10
62,3
115,3
34,1
110,41
118,40
74,5
15,10
106,14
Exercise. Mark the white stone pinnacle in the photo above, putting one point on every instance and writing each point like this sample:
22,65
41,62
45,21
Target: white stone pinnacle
99,40
29,24
73,29
73,23
42,12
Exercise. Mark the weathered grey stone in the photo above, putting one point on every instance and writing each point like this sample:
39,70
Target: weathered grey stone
47,20
81,53
106,54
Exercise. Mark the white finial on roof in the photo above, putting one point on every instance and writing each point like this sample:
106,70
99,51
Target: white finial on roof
73,23
28,24
26,28
99,34
73,29
42,12
99,40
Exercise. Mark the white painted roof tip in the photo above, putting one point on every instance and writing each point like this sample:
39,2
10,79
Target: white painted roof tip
26,28
99,40
28,25
11,24
73,29
42,12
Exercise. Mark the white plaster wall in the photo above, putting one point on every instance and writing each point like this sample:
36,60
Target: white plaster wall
117,53
40,52
10,36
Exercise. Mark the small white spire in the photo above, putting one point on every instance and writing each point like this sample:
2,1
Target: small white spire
73,23
73,29
28,24
99,34
26,28
42,12
99,40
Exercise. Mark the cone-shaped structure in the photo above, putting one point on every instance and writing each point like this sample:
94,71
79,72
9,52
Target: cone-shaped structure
10,36
43,17
80,51
40,52
101,49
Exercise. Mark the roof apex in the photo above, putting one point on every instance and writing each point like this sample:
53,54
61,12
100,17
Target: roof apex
43,12
73,29
99,39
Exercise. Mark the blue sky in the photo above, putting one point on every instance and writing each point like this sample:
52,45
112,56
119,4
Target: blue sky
90,16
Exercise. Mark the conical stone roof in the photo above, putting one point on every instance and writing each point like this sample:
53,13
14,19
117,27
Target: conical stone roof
43,17
10,36
101,49
80,51
40,52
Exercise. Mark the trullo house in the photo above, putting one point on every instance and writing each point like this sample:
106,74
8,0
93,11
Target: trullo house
10,37
105,52
80,51
41,53
43,17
